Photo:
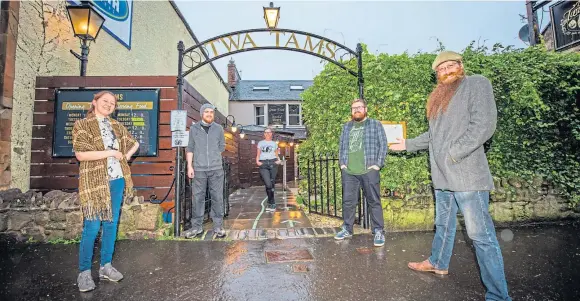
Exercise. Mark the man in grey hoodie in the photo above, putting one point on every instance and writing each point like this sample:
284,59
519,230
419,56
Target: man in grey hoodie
204,166
462,117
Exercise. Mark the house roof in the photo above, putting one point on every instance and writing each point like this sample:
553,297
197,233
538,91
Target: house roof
267,90
546,28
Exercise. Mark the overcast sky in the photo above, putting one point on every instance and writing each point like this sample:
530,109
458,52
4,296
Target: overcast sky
391,27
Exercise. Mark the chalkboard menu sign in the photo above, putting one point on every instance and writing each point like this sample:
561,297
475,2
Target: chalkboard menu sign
277,114
137,110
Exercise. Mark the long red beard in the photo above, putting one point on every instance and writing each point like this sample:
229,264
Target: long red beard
441,96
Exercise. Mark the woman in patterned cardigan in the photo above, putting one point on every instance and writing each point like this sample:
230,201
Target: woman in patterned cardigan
103,146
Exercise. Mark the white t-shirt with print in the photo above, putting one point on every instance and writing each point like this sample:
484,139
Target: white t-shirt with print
268,150
111,143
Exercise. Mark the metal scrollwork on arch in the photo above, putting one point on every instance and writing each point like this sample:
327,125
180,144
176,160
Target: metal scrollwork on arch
267,39
192,59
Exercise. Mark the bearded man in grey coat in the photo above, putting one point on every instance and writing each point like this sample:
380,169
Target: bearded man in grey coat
462,116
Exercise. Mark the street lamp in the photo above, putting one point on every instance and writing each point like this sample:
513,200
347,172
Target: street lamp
272,15
242,134
86,23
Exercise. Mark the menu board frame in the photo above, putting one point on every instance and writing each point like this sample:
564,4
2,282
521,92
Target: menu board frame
86,95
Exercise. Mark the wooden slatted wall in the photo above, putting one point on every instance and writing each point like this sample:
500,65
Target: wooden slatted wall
151,175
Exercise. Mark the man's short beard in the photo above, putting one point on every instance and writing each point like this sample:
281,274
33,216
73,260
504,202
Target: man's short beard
208,122
359,119
441,96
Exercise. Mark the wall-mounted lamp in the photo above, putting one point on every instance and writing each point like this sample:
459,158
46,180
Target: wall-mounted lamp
234,127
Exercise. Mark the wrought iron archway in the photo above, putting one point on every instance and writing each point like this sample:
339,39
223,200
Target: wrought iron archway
198,56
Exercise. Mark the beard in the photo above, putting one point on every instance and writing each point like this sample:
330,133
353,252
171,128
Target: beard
207,120
441,96
358,116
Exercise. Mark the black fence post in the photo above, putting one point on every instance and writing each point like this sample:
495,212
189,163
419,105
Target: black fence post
334,182
327,187
308,184
360,219
321,188
315,188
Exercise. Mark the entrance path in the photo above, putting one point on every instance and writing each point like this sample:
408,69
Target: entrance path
249,220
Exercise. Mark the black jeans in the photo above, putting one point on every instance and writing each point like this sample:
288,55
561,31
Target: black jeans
268,171
215,178
351,185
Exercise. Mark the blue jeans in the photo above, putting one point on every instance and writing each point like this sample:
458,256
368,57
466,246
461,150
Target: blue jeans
480,229
91,230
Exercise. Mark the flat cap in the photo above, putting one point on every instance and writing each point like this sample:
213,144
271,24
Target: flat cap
445,56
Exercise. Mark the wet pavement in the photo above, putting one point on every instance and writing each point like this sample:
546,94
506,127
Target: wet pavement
542,263
248,218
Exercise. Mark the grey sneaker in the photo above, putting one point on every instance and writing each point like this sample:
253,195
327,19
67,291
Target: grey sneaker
191,233
110,273
85,281
379,240
220,232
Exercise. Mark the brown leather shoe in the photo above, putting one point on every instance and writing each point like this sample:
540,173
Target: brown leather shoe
426,266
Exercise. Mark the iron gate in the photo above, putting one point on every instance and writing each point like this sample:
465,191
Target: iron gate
324,189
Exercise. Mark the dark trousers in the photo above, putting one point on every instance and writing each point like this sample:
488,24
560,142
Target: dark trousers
351,185
215,178
268,171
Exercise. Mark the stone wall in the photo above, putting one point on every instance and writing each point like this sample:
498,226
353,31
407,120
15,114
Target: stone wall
9,12
514,201
56,215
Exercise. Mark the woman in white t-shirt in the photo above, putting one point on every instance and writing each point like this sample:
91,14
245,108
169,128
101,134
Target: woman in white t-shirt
268,161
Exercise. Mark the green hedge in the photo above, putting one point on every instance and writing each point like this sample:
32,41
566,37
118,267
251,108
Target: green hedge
537,94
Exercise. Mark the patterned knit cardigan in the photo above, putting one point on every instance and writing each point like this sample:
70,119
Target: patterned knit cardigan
94,192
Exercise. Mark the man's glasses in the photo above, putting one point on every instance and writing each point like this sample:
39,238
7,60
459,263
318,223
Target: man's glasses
359,108
448,67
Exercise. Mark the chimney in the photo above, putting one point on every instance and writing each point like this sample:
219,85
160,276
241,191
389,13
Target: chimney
233,74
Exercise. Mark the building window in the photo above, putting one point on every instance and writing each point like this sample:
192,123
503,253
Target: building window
260,116
294,115
261,88
299,88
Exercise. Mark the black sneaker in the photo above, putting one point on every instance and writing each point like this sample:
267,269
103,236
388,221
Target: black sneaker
271,208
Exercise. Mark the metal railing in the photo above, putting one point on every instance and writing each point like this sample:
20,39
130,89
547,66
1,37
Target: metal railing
324,189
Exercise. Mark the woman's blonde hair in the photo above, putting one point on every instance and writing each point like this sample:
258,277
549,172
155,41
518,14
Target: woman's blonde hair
99,95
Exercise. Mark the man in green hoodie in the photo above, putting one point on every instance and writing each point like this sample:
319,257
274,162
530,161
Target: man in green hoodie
462,117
